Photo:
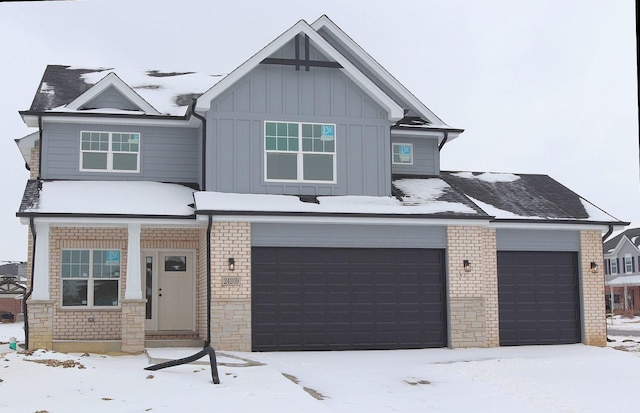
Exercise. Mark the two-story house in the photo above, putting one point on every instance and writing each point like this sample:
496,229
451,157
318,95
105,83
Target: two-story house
296,203
622,272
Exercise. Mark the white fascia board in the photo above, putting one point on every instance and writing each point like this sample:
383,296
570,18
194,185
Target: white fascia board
26,144
395,111
277,219
112,80
115,120
403,133
114,222
373,65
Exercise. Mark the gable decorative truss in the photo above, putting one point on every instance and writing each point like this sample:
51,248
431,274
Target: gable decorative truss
298,61
381,74
395,111
112,80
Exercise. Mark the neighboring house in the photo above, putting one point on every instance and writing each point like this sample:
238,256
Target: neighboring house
306,186
622,272
12,289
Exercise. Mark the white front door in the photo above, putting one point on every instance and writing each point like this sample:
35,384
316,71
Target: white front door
169,290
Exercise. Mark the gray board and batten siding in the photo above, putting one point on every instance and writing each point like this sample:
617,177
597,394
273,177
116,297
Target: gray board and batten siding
271,92
347,236
426,156
167,154
373,76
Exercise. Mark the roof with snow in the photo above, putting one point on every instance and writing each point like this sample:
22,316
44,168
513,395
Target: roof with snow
457,195
105,198
632,234
169,93
525,197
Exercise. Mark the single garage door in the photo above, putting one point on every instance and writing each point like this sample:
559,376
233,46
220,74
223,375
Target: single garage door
538,298
347,298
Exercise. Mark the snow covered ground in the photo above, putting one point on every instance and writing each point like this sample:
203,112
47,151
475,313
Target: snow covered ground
570,378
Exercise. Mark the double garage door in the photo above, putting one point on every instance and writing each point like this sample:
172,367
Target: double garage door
347,298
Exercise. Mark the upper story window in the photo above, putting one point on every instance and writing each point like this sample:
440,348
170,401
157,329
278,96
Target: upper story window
109,151
402,154
613,263
301,152
90,278
628,264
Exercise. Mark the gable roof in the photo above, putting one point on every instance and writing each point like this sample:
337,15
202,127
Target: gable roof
112,80
66,88
632,235
329,30
302,27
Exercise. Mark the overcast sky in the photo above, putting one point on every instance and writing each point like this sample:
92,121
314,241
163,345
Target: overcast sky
544,87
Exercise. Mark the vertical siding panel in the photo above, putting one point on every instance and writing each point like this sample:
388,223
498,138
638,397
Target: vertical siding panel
243,97
242,168
292,94
275,87
323,92
224,150
307,93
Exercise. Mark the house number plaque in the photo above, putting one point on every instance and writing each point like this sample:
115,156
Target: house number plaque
230,281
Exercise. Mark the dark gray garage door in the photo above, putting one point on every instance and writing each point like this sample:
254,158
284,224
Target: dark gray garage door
538,298
347,298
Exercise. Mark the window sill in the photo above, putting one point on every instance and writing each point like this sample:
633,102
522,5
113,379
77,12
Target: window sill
107,309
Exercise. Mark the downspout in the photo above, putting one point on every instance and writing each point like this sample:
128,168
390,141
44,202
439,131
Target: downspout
204,145
604,238
28,294
208,342
444,140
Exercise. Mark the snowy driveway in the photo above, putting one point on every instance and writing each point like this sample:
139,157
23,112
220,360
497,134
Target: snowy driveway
567,378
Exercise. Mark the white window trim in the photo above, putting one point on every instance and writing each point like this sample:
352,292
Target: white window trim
401,163
90,281
613,262
300,153
624,260
110,153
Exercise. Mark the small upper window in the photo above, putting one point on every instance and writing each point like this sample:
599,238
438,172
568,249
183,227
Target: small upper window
628,264
614,265
303,152
109,151
402,154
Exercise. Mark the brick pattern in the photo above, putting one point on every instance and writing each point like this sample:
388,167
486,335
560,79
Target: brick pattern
593,300
132,322
231,305
75,324
201,286
473,295
34,162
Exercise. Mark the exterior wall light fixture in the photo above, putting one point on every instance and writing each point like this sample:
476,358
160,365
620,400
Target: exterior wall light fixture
594,267
466,264
232,264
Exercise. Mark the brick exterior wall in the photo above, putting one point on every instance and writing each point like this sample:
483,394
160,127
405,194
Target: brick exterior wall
34,162
231,304
473,295
76,324
593,300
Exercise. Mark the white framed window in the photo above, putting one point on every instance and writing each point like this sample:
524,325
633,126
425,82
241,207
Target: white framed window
628,264
109,151
402,153
90,278
613,265
300,152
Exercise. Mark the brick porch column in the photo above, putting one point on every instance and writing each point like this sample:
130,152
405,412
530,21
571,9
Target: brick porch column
473,295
